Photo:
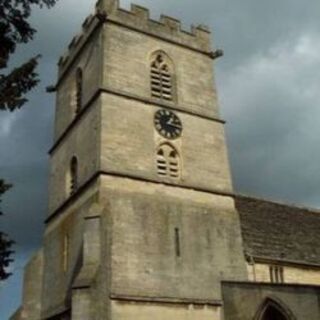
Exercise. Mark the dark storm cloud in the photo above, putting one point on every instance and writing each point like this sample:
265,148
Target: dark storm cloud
272,103
26,135
268,87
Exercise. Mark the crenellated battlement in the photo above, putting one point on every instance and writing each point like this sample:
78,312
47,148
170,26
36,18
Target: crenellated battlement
168,27
141,16
138,18
90,23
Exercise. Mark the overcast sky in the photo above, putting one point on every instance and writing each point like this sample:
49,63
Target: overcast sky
268,85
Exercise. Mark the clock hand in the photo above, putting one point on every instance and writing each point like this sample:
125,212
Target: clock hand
176,126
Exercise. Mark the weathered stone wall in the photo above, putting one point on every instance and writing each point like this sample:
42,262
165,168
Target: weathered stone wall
56,294
32,289
127,310
82,142
129,144
90,62
126,68
144,261
292,274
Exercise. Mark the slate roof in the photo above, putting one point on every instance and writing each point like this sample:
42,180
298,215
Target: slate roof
278,231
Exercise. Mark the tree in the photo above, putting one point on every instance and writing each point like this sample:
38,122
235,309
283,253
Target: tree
15,84
5,242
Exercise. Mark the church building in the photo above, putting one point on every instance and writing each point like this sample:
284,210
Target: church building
143,222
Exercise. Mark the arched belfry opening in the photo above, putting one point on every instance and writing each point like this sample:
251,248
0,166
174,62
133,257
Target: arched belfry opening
168,161
79,87
162,76
273,309
72,176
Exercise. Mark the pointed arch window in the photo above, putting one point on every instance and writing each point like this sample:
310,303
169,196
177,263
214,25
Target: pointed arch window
79,85
273,309
72,176
168,162
273,313
161,77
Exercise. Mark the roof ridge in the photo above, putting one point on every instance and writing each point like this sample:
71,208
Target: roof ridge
278,202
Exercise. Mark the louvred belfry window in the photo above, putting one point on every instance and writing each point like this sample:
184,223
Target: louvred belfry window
161,79
79,80
168,164
72,177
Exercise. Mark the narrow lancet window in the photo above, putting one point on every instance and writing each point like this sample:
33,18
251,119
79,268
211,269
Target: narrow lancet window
177,242
72,176
79,81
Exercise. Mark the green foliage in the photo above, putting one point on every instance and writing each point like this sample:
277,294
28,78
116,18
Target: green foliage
15,29
5,255
5,242
14,86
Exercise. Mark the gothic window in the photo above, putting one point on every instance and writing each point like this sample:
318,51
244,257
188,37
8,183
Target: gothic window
273,309
273,313
168,164
161,77
72,176
276,274
79,80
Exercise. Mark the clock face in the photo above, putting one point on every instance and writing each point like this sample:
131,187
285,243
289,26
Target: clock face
167,124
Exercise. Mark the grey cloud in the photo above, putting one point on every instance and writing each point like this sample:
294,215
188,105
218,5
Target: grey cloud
25,205
268,94
258,132
272,104
249,31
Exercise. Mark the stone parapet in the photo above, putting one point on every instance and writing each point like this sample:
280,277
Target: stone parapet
138,19
167,27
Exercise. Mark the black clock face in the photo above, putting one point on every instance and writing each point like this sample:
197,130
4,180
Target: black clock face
167,124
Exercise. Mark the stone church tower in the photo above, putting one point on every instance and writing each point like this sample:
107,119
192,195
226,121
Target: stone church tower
142,222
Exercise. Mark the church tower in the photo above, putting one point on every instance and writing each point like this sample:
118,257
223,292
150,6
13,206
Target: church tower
141,220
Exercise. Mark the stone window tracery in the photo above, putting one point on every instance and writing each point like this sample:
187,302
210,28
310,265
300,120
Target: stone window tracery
168,162
161,77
